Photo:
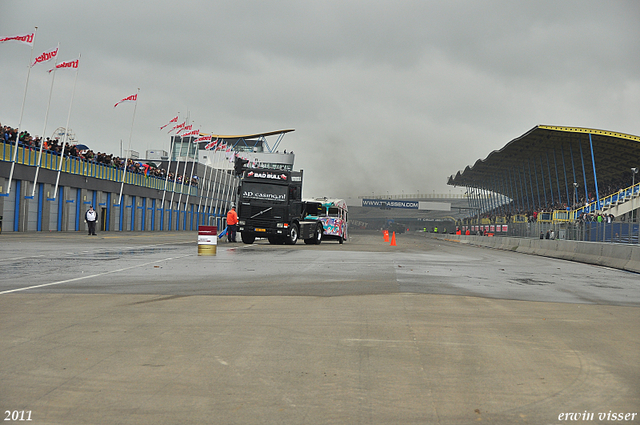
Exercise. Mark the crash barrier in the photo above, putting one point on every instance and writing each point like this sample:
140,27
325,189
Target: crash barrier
619,256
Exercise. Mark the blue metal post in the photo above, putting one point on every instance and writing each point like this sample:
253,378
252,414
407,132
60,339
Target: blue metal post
566,184
16,213
78,208
153,214
550,181
489,198
510,191
496,191
523,183
60,207
40,204
515,186
504,191
143,214
584,174
595,178
555,164
133,213
573,167
531,182
544,186
107,221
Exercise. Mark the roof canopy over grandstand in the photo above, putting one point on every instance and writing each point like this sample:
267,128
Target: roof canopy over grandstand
251,140
551,165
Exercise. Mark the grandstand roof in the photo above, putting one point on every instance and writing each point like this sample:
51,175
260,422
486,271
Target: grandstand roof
550,154
250,136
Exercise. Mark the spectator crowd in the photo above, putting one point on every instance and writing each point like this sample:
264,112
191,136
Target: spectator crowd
9,135
607,188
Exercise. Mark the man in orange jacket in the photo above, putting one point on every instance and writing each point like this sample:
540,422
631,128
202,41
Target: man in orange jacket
232,223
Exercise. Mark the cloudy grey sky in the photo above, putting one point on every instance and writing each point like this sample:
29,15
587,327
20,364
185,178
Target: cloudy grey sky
384,97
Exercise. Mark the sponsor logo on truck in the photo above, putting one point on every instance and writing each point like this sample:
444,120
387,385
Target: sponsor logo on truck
265,175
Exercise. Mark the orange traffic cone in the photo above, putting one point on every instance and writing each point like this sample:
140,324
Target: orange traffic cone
386,235
393,239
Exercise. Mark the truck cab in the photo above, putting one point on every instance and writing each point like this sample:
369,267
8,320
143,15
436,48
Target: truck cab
270,206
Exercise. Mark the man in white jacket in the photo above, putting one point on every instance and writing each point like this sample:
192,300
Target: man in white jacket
91,217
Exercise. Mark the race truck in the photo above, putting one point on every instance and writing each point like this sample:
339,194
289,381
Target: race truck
270,206
333,215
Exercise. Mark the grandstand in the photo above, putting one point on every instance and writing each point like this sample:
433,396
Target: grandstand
572,180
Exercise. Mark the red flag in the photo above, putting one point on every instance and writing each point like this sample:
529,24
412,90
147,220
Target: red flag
131,98
177,126
68,64
185,128
211,145
23,38
191,133
46,56
173,120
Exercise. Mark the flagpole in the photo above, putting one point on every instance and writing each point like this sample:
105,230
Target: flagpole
44,129
166,180
24,98
66,133
183,174
191,176
221,186
213,184
129,153
204,178
175,177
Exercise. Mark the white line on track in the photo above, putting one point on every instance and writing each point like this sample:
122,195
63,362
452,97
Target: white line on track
91,276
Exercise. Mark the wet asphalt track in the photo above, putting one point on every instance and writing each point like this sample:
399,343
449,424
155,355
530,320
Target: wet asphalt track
136,328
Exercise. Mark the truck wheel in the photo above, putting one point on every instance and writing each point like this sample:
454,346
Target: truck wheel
317,236
248,238
293,235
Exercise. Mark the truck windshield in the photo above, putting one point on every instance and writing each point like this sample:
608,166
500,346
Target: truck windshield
264,192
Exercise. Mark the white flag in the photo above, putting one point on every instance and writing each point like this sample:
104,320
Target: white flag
67,64
23,38
131,98
46,56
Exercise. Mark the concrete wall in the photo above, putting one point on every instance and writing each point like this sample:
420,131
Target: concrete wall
619,256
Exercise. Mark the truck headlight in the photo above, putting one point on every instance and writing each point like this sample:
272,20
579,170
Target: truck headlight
280,225
241,222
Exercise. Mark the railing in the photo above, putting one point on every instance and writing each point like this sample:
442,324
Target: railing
82,167
608,201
